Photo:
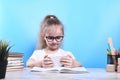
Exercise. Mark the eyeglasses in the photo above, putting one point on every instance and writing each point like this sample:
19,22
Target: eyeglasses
57,38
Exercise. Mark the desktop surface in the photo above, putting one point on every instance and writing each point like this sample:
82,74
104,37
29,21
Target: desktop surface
93,74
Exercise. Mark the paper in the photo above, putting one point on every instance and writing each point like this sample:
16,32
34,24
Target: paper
76,70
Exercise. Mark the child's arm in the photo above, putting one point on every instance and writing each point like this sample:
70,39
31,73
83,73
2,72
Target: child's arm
31,63
45,63
76,63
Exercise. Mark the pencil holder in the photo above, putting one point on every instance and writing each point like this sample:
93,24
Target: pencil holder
110,59
113,59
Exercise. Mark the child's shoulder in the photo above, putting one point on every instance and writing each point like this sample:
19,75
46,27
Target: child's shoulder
38,51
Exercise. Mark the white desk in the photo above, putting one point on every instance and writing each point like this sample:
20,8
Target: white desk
94,74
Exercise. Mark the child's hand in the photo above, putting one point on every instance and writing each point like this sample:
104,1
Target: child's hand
47,62
67,61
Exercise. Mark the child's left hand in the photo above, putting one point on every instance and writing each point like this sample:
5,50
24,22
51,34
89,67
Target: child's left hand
67,61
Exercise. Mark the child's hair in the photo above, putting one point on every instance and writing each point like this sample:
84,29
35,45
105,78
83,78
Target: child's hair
49,21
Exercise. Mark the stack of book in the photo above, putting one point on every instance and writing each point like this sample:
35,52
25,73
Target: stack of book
15,61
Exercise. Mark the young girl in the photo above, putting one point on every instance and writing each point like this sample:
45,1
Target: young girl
50,55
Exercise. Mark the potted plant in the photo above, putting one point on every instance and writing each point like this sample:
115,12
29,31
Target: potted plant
4,52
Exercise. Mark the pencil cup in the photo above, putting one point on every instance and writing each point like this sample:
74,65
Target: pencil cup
112,59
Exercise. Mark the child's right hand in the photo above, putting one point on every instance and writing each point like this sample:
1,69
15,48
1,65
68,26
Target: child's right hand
47,62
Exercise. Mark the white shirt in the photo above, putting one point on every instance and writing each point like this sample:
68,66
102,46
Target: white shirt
38,55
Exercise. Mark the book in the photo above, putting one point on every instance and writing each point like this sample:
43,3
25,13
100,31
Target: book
14,58
15,54
16,64
76,70
15,61
14,69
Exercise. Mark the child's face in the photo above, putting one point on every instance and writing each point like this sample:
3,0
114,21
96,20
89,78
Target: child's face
54,37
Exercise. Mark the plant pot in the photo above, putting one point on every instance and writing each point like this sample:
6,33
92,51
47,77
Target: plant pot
3,65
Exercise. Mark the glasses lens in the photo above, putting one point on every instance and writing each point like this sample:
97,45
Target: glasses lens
58,38
50,38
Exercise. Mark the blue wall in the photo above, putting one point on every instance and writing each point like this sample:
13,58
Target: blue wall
88,24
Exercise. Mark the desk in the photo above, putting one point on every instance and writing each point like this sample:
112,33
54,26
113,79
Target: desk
94,74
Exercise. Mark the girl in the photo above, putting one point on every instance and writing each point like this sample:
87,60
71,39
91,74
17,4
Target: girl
50,55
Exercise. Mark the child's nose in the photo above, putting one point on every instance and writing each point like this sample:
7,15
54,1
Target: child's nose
54,41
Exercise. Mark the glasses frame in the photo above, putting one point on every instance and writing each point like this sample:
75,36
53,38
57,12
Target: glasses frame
56,38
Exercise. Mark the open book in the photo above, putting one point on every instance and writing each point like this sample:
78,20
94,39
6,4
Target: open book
76,70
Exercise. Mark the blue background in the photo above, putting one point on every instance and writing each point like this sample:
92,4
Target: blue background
88,24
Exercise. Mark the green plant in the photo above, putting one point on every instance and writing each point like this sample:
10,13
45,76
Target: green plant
4,50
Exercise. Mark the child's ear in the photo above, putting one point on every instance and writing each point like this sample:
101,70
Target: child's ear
44,37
